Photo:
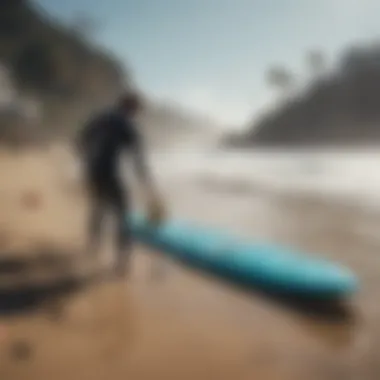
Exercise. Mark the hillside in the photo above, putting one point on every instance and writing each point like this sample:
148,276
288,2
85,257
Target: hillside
66,75
54,64
342,108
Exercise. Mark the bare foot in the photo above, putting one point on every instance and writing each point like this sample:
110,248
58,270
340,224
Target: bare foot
121,269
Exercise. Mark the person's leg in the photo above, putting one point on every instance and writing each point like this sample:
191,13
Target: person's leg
95,217
120,203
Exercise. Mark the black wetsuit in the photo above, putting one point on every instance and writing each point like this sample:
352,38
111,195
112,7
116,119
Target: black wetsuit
101,142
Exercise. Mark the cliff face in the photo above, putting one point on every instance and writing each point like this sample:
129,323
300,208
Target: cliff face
341,109
66,76
54,64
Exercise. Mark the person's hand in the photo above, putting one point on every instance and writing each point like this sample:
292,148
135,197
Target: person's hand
156,211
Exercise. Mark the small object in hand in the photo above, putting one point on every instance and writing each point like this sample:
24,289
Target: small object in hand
31,200
156,212
20,350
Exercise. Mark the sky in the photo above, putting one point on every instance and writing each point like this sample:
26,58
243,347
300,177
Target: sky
211,56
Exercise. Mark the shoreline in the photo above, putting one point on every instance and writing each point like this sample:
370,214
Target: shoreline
167,321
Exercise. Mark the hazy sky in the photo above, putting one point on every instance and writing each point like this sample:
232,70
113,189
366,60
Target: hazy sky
211,55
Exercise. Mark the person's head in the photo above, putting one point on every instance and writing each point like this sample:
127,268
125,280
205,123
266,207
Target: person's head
130,103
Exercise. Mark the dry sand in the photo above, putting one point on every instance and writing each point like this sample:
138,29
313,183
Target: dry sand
166,321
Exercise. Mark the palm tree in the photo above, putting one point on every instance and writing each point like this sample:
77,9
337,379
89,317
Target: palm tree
316,63
281,79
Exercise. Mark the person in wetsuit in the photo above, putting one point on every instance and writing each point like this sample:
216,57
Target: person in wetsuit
101,143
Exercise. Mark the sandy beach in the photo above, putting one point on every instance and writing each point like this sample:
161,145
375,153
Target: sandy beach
167,321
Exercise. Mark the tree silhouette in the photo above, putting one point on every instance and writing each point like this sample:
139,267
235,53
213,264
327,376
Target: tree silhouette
281,79
316,62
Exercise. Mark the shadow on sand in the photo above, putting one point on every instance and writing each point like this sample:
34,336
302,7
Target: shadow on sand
20,293
27,298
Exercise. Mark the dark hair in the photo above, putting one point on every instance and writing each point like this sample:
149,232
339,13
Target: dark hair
130,101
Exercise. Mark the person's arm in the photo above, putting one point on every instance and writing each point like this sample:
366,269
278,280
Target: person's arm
141,164
154,203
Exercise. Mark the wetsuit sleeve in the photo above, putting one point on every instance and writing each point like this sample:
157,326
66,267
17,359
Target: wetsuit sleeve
140,158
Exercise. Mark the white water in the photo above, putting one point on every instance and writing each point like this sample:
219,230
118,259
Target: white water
346,175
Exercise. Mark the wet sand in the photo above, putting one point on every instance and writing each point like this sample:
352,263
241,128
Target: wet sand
170,322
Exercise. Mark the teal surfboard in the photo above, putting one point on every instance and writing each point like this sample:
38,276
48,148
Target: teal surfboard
269,267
